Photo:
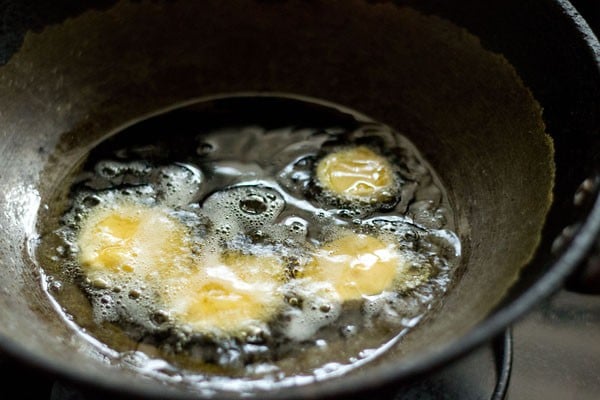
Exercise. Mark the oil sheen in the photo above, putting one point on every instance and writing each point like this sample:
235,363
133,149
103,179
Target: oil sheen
258,240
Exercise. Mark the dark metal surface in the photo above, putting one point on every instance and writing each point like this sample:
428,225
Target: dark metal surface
557,350
532,360
587,278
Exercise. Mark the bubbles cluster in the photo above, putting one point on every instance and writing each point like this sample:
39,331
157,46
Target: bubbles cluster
249,245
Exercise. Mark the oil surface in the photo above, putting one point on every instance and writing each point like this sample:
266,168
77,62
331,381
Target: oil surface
234,181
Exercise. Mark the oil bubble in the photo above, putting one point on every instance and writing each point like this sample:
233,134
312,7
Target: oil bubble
254,204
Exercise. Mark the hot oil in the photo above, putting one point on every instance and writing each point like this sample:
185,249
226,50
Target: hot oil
229,186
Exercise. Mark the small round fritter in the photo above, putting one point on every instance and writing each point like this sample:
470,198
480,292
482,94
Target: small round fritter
356,265
126,242
231,293
357,174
